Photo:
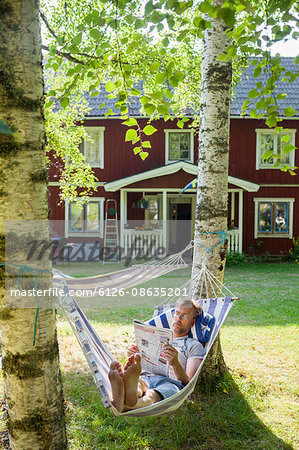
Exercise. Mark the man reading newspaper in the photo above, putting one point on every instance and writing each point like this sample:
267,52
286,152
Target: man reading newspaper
132,389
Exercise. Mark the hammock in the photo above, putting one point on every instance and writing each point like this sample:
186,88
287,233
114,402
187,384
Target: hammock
99,358
123,279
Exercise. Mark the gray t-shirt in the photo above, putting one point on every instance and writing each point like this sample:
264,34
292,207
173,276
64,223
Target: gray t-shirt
187,348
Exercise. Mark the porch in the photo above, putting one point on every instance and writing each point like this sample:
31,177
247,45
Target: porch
155,214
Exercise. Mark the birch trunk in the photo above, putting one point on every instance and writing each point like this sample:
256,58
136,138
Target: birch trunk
212,190
31,373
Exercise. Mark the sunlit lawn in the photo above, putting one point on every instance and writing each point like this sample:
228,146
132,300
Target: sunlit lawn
253,408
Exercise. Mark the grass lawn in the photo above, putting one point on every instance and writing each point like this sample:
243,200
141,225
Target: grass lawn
254,407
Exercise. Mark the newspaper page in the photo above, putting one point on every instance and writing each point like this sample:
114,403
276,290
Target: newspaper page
151,340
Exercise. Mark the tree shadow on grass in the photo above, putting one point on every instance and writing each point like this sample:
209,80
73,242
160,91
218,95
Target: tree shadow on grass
206,421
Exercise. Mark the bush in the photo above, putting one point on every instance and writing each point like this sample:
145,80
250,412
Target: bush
294,252
236,259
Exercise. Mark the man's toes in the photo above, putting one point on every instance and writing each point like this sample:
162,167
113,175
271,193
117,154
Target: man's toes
137,358
113,365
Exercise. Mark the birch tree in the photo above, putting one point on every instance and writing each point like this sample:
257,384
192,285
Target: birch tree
212,190
31,373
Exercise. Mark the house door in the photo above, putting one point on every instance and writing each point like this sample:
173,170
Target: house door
180,221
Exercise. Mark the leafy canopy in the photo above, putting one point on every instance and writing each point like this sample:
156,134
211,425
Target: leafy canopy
113,44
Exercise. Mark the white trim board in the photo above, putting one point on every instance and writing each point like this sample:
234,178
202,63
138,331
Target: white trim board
169,169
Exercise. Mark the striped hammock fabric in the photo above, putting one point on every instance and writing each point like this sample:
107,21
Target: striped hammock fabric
99,358
125,278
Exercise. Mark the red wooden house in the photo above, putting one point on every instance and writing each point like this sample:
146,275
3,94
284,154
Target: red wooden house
263,200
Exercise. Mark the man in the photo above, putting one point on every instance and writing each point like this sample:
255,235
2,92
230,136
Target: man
132,390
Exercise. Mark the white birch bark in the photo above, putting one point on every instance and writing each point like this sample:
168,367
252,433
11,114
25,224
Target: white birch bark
212,190
31,373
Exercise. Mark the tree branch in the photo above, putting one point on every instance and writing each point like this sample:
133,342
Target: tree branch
65,55
47,25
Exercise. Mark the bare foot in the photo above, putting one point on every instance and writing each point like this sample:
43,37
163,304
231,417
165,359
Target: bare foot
132,371
116,377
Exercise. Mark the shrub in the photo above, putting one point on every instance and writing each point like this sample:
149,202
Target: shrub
236,259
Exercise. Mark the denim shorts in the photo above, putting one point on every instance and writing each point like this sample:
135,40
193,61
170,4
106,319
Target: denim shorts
167,387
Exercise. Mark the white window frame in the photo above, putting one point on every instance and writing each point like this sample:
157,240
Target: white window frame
259,133
173,130
100,130
100,233
257,234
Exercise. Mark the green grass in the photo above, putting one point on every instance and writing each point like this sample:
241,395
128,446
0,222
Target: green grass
253,407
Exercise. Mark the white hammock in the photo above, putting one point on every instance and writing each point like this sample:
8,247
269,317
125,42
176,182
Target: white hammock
99,358
123,279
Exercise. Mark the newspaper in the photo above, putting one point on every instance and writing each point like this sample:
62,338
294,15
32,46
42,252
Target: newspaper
151,340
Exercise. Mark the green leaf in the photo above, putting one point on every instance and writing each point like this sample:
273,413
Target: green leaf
285,138
109,86
149,130
143,155
64,102
131,135
149,108
267,154
253,113
253,93
95,33
160,77
281,96
228,15
222,57
136,150
52,50
257,71
289,112
146,144
77,39
180,124
131,122
179,75
154,66
288,148
173,81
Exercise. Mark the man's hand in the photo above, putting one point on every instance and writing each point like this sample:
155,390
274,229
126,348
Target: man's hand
132,350
171,354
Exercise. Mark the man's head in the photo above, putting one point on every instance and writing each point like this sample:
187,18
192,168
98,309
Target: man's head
185,313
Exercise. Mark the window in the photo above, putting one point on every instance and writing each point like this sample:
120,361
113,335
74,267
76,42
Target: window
269,140
274,217
85,218
179,145
93,148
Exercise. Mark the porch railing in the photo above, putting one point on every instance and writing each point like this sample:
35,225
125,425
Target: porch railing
233,241
140,242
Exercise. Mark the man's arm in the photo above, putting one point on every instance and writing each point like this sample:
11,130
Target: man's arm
181,374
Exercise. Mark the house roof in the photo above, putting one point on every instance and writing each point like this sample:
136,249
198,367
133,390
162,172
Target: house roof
169,169
247,83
